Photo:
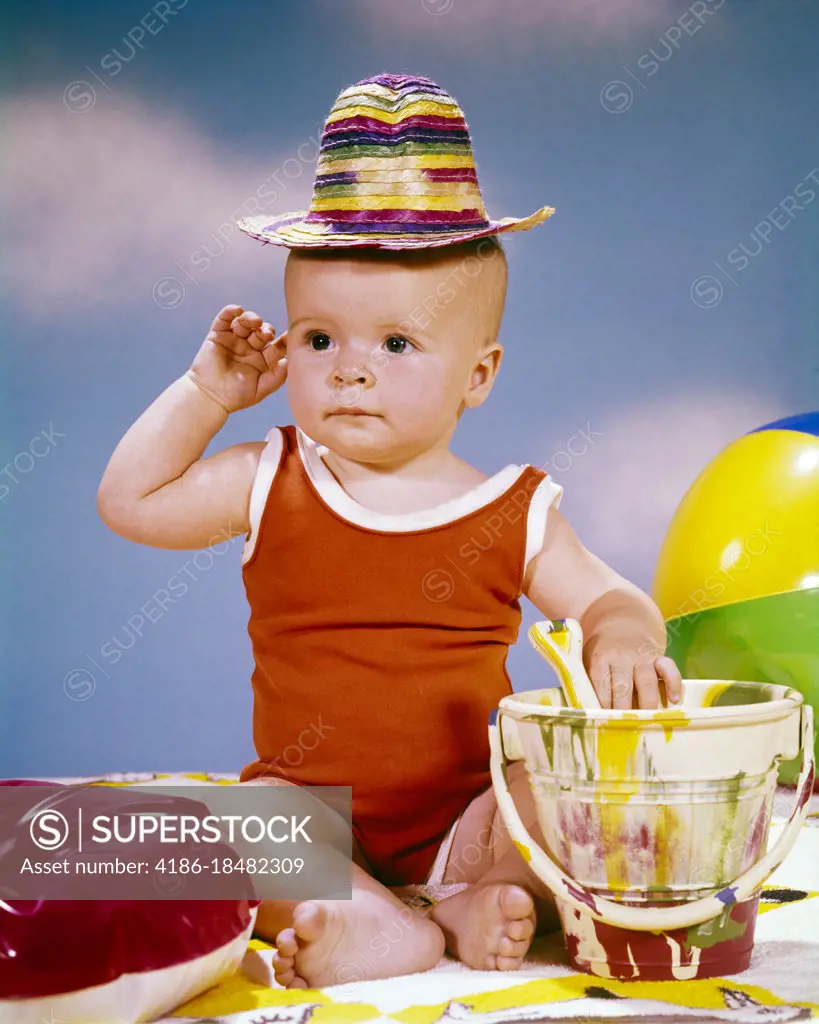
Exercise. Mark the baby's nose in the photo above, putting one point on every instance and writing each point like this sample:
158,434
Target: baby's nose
353,374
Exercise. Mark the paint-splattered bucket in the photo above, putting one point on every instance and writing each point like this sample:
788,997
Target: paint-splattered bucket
655,822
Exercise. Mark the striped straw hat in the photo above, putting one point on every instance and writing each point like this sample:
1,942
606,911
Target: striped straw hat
395,171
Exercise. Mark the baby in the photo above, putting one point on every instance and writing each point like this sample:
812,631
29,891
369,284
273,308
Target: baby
383,574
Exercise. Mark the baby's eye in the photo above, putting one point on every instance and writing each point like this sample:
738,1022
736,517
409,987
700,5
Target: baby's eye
319,341
397,344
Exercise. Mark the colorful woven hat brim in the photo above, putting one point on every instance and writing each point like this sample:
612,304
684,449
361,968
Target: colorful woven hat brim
395,171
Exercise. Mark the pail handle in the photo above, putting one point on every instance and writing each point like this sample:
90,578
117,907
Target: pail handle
649,919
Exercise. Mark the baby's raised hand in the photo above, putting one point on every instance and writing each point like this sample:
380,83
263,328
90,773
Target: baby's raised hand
239,362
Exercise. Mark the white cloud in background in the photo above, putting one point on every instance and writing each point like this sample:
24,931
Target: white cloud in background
101,204
622,491
528,24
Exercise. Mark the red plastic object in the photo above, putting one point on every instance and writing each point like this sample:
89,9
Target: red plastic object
50,947
56,946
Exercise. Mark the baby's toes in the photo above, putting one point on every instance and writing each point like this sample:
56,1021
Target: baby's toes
285,978
309,921
519,930
508,963
510,948
283,969
497,962
515,903
287,945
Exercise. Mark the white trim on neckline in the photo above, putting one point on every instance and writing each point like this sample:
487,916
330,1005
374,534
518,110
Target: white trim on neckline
334,496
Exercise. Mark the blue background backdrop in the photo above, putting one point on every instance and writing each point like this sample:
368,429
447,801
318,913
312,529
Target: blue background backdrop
665,134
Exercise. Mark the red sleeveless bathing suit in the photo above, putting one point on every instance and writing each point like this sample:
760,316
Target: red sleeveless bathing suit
380,642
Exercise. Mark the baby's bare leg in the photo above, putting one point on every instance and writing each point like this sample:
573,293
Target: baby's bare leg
330,942
490,925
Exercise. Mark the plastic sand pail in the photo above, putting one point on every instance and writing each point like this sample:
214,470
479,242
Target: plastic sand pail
655,823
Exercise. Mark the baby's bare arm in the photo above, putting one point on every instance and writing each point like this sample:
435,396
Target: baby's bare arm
624,634
157,489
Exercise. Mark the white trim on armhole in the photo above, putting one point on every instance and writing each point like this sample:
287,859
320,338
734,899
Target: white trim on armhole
263,481
547,493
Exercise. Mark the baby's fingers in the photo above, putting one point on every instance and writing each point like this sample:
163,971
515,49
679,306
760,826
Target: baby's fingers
621,684
262,336
648,688
225,317
597,668
612,679
274,351
671,676
245,324
275,356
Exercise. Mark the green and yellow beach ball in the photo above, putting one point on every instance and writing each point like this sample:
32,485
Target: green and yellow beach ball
737,579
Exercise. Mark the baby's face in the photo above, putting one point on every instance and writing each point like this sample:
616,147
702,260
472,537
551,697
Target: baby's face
384,353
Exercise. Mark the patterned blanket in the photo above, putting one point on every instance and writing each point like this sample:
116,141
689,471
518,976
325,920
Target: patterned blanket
782,983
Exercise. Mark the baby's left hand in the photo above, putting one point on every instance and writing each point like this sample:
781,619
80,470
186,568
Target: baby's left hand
628,673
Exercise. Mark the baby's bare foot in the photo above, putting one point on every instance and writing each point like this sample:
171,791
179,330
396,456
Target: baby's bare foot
488,926
333,942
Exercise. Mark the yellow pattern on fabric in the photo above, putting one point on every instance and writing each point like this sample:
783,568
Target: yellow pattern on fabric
765,907
704,994
239,994
698,995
